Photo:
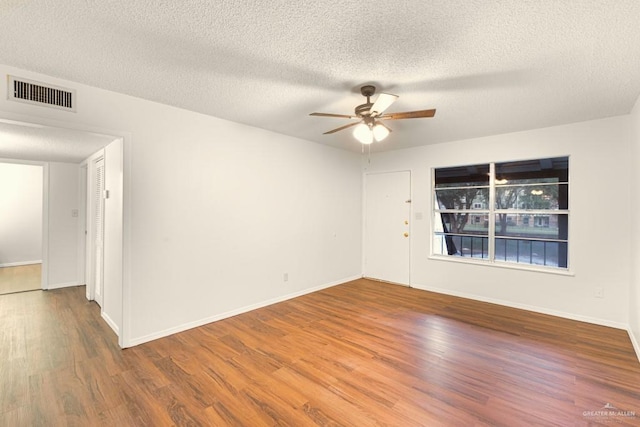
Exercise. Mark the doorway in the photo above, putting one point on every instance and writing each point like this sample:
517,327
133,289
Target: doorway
21,222
66,218
387,241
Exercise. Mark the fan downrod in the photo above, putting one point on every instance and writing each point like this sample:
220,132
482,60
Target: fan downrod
363,110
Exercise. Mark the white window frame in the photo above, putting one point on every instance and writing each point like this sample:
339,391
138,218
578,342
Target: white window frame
492,212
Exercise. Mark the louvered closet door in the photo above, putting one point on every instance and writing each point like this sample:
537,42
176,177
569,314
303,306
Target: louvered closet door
98,227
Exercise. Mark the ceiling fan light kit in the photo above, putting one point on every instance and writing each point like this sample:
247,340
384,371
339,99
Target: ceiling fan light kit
363,134
369,127
380,132
366,133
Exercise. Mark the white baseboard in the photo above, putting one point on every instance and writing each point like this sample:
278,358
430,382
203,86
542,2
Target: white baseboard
635,342
231,313
110,322
536,309
61,285
19,263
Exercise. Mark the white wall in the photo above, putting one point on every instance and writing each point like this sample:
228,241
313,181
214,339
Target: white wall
598,224
62,238
20,214
216,212
634,299
221,211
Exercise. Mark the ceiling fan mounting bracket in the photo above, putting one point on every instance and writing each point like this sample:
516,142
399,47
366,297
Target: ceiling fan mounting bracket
368,91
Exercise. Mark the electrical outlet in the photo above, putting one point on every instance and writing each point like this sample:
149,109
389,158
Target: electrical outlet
285,277
599,292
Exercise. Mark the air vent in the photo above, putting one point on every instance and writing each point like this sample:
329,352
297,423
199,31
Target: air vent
37,93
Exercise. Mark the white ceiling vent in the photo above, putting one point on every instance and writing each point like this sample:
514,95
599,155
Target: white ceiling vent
42,94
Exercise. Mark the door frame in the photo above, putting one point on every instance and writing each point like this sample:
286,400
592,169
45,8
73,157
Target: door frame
364,214
83,232
124,336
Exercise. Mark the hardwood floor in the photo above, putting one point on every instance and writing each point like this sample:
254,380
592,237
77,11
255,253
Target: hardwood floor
20,278
360,354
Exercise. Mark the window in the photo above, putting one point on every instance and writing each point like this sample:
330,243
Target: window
513,212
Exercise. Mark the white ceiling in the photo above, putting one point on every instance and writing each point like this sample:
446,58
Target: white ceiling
487,66
27,141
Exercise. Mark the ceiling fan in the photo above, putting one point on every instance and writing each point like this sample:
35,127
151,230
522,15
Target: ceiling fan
370,125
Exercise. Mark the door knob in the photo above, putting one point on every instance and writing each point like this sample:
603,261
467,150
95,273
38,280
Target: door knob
406,234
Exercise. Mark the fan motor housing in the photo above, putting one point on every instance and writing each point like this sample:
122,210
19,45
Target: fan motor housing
363,109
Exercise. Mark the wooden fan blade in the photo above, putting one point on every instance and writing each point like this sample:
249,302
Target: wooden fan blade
342,116
342,127
383,102
409,115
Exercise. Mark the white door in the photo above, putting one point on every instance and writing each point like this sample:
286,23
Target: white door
387,228
98,230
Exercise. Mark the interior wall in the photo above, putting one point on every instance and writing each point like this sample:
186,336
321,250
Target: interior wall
600,211
221,212
217,213
62,242
634,300
20,214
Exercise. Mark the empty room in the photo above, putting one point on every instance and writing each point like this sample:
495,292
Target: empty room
320,213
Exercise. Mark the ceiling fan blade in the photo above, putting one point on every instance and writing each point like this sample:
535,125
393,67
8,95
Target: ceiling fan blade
409,115
383,102
342,116
342,127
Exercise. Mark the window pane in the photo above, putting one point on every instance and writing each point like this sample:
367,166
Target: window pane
552,226
533,252
524,181
533,171
463,176
470,223
543,196
462,198
462,246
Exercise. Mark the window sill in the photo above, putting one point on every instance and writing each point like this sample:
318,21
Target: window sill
499,264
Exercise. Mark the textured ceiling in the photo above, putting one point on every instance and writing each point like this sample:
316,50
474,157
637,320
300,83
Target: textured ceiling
487,66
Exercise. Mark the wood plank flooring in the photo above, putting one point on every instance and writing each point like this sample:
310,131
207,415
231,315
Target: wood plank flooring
20,278
360,354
